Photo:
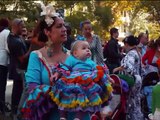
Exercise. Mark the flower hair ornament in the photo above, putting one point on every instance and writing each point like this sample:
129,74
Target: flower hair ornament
49,12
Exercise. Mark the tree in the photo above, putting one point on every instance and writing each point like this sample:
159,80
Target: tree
153,9
26,10
100,16
145,17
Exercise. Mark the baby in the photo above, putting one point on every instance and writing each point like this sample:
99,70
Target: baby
85,88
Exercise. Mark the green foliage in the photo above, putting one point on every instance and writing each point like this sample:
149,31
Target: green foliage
153,9
75,20
76,11
27,10
144,15
65,4
100,16
103,16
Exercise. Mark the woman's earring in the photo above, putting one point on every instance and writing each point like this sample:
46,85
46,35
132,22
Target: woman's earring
49,48
49,52
49,43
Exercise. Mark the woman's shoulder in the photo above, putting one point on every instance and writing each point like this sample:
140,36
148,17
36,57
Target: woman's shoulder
36,54
39,52
132,52
96,37
151,51
6,31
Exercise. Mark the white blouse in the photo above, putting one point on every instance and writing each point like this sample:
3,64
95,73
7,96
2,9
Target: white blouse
4,57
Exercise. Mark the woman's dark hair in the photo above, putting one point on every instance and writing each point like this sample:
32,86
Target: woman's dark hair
4,23
39,30
113,30
151,44
69,30
131,40
157,43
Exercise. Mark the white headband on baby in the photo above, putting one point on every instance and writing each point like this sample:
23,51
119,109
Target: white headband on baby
49,12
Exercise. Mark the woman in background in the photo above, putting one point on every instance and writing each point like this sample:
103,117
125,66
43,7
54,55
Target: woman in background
131,65
94,41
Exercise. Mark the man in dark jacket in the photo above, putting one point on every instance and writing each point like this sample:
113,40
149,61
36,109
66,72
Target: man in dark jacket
111,50
19,54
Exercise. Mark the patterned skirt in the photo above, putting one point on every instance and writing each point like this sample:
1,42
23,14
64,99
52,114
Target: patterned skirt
82,90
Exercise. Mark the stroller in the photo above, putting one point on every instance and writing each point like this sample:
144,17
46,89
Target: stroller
149,80
117,104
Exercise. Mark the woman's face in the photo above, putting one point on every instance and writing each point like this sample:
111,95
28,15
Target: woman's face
58,32
87,29
126,47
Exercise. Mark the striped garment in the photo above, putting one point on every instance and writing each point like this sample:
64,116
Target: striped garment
96,49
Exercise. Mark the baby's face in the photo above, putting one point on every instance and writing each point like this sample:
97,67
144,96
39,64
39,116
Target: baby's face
82,51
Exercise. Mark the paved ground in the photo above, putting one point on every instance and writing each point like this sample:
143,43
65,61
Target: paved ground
8,99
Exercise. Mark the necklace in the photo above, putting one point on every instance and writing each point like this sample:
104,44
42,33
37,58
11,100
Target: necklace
50,51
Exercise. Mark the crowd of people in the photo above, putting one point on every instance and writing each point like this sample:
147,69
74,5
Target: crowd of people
57,77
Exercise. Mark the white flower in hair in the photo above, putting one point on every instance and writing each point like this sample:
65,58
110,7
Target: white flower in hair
49,12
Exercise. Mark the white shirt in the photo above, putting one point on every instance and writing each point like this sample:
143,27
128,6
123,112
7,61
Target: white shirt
4,57
143,48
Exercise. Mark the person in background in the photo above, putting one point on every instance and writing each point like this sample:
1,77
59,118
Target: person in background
93,40
24,36
80,36
143,41
150,44
18,61
4,58
149,61
112,50
131,65
155,115
152,54
24,33
32,39
70,40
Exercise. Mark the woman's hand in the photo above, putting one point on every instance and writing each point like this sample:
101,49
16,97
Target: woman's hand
54,77
118,69
115,70
144,66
